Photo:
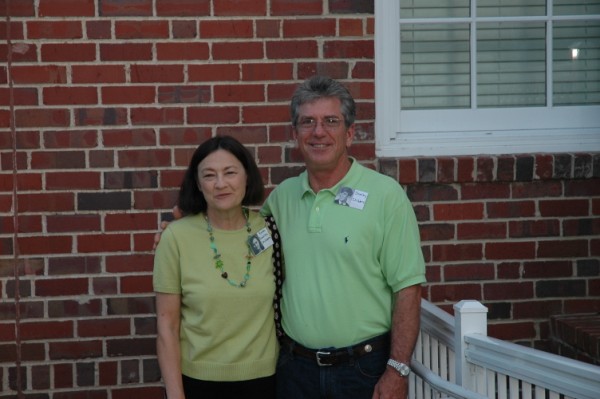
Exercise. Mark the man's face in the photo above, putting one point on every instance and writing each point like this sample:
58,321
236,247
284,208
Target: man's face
324,145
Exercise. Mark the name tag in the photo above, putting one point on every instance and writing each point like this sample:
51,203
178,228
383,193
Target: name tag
350,197
260,241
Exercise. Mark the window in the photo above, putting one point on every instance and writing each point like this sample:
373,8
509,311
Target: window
466,77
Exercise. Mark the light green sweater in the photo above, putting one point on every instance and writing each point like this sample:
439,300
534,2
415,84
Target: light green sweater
227,333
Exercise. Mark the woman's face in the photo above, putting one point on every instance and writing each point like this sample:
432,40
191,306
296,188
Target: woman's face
222,180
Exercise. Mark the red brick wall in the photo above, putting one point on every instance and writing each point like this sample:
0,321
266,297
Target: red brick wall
111,97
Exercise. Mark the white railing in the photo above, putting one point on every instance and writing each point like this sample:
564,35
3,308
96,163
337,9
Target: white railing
454,358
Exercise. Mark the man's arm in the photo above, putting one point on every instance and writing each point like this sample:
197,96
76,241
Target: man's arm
405,330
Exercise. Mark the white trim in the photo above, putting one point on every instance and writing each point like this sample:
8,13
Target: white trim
450,132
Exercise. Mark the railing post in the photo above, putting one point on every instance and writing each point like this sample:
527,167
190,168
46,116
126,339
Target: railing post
470,317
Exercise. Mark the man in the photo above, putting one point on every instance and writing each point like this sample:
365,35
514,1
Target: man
351,297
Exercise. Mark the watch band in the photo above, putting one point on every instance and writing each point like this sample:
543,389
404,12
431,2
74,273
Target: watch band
401,368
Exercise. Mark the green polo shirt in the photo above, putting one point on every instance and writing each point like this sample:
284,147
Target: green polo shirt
343,263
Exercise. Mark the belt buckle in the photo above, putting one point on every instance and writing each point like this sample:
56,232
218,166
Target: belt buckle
322,353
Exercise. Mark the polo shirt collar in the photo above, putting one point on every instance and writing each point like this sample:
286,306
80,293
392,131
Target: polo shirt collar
306,189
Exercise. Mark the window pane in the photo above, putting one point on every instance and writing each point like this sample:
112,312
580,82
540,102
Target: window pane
574,7
576,62
510,8
511,64
435,66
433,8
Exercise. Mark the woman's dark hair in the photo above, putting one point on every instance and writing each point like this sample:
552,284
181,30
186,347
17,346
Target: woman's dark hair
192,201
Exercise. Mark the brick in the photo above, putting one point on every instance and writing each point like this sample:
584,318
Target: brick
583,188
132,221
499,310
510,209
184,94
184,29
226,29
239,7
583,167
157,116
183,136
183,8
72,223
31,74
60,95
129,137
100,116
16,28
156,73
350,27
485,169
128,95
426,170
563,164
98,30
130,305
102,328
588,267
292,49
524,168
294,7
103,201
560,288
563,249
58,160
457,252
271,71
46,330
163,199
239,50
63,375
239,93
67,8
136,284
512,330
171,51
94,243
564,207
54,30
171,179
408,172
505,170
144,158
101,159
213,115
269,155
22,52
470,191
335,70
265,114
547,269
125,52
75,349
156,29
483,230
72,308
70,139
351,7
510,250
68,52
130,179
322,27
466,272
46,202
61,287
46,117
23,8
455,292
72,180
105,286
348,49
268,28
21,97
86,376
42,377
458,211
363,70
544,165
537,309
536,189
214,72
119,8
534,228
76,264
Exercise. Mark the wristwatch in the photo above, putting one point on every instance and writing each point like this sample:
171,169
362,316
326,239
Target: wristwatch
401,368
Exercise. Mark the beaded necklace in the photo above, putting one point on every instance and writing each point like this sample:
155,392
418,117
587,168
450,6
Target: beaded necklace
217,255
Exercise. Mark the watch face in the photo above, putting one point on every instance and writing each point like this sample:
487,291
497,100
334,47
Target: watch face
404,370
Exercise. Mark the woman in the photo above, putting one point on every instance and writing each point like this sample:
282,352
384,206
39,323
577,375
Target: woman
214,301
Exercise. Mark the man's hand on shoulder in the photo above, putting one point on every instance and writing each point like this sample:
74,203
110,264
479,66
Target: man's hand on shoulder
163,225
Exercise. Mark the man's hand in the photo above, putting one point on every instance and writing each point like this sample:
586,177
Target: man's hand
391,385
163,225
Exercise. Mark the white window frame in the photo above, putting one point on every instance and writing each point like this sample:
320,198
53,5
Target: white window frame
447,132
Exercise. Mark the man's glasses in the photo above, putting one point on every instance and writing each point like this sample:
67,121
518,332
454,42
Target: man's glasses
310,124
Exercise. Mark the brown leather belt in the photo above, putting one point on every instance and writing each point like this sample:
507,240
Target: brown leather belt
331,357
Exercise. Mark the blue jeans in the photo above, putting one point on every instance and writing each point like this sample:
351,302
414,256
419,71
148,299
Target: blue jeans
299,377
